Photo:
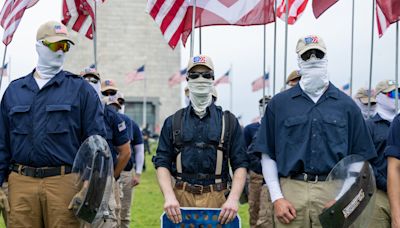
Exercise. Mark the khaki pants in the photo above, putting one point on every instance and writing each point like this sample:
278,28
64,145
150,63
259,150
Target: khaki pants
307,198
208,200
381,216
41,202
260,206
126,189
3,210
113,204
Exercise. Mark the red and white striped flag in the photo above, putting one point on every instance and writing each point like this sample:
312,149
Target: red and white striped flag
177,78
319,7
79,16
170,17
382,22
11,15
223,79
260,82
135,75
296,8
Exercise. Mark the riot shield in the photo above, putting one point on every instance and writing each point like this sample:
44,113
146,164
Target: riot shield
93,166
352,188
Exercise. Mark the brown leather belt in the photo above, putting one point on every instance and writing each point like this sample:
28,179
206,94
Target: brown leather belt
200,189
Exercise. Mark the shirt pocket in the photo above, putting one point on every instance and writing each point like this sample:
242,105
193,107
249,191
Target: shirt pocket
57,118
335,129
294,129
20,119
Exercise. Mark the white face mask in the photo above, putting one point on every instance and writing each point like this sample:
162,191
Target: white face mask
97,87
314,75
49,63
200,94
386,107
122,110
364,109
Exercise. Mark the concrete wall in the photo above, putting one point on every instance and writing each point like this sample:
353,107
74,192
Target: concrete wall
127,38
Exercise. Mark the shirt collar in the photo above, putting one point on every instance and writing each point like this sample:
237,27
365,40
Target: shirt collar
332,91
30,82
377,118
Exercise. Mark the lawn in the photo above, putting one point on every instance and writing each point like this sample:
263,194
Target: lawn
148,202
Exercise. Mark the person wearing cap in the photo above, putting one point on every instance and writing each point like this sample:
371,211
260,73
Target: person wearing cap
361,99
304,132
201,176
293,78
117,136
130,176
44,117
260,207
379,126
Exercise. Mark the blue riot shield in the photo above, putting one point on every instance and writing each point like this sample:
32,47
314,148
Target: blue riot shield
199,218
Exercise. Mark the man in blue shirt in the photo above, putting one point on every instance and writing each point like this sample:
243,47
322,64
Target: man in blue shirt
194,154
44,118
379,128
260,206
305,131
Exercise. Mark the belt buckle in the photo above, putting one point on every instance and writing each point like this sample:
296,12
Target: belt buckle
198,189
39,172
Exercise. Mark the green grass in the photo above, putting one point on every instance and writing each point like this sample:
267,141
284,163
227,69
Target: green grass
148,202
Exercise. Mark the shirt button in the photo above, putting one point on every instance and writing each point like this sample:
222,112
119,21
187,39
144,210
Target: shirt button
314,135
313,151
314,119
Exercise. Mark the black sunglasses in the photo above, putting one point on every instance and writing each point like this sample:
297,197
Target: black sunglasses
109,93
206,75
121,101
317,53
92,80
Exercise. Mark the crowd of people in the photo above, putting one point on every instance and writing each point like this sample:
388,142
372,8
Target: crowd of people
204,157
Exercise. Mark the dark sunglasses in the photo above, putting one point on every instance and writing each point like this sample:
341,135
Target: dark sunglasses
109,93
392,94
91,80
121,101
317,53
206,75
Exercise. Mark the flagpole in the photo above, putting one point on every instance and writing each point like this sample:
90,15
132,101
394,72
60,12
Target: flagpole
200,40
371,59
144,103
273,85
231,89
193,27
264,57
352,50
397,67
9,70
4,61
94,33
286,41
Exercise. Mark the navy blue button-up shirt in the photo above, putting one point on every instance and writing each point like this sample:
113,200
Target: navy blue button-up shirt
45,127
303,136
196,160
117,130
379,130
393,140
249,133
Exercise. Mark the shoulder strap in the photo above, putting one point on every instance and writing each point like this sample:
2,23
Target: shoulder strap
177,139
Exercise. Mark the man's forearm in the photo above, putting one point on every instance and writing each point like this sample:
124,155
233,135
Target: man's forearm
164,180
238,182
394,188
124,154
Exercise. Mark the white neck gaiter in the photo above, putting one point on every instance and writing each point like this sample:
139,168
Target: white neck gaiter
97,88
385,107
122,109
49,63
364,109
200,94
314,76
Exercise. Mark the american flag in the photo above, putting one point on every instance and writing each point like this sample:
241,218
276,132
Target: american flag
296,8
169,15
387,12
319,7
259,82
4,68
11,15
223,79
177,78
78,15
135,75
